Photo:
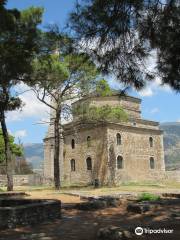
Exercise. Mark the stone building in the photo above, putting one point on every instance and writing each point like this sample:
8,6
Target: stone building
111,152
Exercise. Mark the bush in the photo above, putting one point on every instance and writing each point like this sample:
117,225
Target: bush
148,197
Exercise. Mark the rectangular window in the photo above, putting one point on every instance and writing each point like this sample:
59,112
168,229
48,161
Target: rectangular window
119,162
89,163
152,164
73,165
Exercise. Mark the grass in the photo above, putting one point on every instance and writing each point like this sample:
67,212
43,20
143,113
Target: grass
33,188
130,187
148,197
142,184
1,190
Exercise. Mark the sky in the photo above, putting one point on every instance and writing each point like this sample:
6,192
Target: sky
158,103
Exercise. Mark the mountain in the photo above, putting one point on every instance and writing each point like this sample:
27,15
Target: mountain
34,151
171,144
34,154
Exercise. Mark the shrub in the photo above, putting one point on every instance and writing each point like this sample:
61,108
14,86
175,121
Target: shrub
148,197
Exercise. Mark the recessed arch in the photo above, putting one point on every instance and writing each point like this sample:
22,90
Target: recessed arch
119,162
118,139
73,143
88,141
73,165
151,142
89,163
152,162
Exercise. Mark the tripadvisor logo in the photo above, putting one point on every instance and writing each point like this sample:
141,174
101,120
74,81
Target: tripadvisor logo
140,230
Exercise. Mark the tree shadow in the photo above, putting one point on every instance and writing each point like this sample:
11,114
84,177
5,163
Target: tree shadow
81,225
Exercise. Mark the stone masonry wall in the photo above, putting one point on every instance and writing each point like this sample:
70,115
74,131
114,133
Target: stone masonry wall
21,212
20,180
135,148
97,151
136,152
48,158
130,105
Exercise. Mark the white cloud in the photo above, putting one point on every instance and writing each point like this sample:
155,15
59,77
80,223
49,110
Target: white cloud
146,92
10,132
155,86
20,133
32,107
154,110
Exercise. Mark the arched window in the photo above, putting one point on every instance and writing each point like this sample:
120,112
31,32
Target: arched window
73,165
118,138
151,142
152,164
88,141
89,163
119,162
73,143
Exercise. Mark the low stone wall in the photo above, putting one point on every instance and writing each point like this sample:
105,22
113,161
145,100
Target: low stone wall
18,212
20,180
11,194
172,176
3,180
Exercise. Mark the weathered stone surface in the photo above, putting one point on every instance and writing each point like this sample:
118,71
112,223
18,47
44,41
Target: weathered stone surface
111,201
17,212
139,207
22,180
99,203
103,149
12,194
171,195
176,215
92,205
113,233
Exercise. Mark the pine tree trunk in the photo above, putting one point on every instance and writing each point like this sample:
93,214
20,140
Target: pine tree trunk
57,150
8,156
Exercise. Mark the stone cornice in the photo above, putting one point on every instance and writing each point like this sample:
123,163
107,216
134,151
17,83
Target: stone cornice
79,125
95,97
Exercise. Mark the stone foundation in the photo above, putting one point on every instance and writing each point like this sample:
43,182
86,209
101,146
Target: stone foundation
19,212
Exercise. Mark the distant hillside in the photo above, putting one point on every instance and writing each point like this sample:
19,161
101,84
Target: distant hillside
34,154
34,151
172,144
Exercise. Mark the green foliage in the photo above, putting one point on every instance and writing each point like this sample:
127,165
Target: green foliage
55,72
103,89
162,28
148,197
19,42
61,75
15,148
104,113
124,33
46,68
86,111
31,17
82,72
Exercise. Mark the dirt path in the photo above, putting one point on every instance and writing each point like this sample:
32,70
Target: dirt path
83,225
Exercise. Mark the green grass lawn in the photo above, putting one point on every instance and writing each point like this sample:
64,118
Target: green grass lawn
134,187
